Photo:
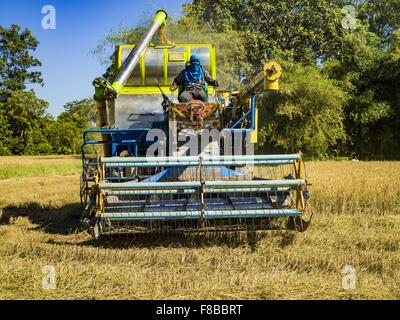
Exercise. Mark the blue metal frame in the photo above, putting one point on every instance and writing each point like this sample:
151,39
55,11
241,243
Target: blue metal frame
243,200
129,137
251,111
119,137
208,214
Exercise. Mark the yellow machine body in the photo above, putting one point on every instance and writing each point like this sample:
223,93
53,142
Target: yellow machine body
159,65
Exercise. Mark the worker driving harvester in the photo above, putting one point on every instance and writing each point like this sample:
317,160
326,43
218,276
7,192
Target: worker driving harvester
144,181
192,82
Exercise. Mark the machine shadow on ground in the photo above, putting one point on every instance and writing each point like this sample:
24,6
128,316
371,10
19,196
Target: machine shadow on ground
65,220
62,220
179,240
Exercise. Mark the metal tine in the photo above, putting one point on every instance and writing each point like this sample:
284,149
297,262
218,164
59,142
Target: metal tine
212,173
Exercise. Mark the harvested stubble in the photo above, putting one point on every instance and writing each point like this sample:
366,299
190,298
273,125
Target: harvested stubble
356,222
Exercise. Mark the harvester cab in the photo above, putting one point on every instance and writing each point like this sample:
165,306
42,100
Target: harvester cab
173,167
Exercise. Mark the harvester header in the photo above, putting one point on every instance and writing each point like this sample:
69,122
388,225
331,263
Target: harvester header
169,166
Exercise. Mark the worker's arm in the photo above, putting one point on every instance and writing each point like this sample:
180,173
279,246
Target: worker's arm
209,80
177,81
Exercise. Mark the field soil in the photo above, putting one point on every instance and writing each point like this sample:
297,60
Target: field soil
349,251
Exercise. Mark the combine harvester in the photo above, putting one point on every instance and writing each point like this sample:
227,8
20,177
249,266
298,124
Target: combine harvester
148,180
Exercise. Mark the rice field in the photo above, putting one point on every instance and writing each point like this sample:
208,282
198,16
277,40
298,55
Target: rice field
20,167
356,222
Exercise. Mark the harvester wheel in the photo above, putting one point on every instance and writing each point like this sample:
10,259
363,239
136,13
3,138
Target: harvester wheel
84,190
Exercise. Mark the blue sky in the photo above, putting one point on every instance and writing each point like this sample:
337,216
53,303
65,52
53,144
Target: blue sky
68,66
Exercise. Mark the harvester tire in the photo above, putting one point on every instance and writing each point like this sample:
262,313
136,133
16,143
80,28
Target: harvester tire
84,192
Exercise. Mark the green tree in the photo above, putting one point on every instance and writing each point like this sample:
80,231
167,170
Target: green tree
5,136
16,61
67,130
306,114
383,17
373,121
369,75
293,29
26,122
81,112
66,137
23,116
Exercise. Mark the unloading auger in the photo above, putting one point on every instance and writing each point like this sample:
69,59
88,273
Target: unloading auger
149,178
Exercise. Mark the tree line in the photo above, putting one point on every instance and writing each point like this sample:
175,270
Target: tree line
26,127
339,96
340,92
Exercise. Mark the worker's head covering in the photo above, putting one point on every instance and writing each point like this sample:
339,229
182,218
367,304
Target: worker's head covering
194,72
194,59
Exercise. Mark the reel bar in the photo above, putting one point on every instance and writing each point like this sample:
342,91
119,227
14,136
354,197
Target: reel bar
215,214
191,191
195,184
210,163
197,159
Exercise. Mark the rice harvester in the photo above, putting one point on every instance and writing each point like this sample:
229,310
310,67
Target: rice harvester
146,179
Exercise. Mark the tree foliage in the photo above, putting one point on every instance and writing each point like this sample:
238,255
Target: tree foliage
25,119
16,61
70,125
306,114
81,112
298,30
383,17
25,125
361,65
373,120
